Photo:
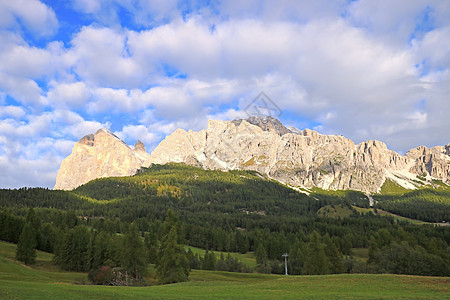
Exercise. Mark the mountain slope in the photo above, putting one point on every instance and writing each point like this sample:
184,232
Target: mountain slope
300,158
291,156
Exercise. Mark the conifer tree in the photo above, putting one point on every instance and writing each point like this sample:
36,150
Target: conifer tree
209,261
28,239
26,247
296,258
134,256
373,250
316,262
221,265
72,252
173,264
151,243
334,256
261,255
99,250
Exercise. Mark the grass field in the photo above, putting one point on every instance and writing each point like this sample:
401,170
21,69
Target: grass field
386,213
45,281
248,258
335,211
390,187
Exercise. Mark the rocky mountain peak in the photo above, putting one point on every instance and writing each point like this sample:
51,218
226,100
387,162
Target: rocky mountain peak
301,158
99,155
87,140
266,123
139,146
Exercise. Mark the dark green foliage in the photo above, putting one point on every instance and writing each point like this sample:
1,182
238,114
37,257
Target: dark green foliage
401,258
431,205
261,255
221,264
28,240
103,275
296,259
151,243
343,196
195,261
333,255
134,256
72,252
209,261
26,247
10,226
100,251
220,211
316,261
242,243
173,265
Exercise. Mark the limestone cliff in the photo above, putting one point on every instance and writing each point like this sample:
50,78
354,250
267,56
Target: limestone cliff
99,155
433,161
300,158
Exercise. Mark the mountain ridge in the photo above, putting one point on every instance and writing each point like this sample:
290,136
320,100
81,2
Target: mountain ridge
299,158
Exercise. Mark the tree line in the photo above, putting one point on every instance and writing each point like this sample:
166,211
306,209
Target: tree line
235,211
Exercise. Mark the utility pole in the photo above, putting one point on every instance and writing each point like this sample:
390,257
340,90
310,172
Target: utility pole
285,263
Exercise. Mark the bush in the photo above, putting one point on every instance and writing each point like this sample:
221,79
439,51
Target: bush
102,276
106,275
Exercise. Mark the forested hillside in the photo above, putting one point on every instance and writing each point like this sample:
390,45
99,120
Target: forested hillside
234,211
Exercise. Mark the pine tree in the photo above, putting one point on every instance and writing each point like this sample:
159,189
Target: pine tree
209,261
296,259
72,251
151,243
334,256
26,247
134,256
373,250
173,264
261,255
316,262
221,265
99,250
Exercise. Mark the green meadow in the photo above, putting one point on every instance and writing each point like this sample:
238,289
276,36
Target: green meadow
46,281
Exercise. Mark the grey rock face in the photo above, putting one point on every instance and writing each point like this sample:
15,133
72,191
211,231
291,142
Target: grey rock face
302,158
434,161
298,158
99,155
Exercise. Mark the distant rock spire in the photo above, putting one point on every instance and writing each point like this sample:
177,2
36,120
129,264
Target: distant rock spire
139,146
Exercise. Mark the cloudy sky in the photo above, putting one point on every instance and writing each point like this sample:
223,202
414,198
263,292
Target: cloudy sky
367,69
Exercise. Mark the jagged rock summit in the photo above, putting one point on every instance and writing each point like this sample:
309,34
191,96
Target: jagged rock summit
99,155
300,158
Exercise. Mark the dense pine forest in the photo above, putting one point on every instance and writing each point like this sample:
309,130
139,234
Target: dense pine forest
114,227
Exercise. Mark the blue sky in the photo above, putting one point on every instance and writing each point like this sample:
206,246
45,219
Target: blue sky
363,69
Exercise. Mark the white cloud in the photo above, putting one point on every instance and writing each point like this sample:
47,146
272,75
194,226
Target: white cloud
23,61
16,112
22,172
102,58
23,90
33,14
132,133
73,125
364,69
435,49
31,149
144,12
21,66
72,95
230,114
